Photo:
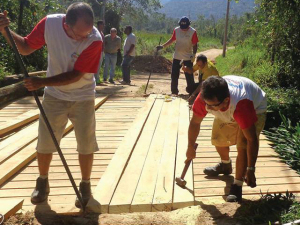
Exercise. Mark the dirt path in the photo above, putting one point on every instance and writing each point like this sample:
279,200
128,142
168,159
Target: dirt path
205,214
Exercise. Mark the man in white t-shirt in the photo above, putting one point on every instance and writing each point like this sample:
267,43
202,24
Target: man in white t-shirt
74,49
239,106
185,50
129,53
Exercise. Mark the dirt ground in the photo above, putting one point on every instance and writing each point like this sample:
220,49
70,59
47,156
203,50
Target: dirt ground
160,83
202,214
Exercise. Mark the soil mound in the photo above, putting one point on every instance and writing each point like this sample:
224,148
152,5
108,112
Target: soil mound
144,63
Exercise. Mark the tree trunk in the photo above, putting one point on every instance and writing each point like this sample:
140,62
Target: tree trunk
20,16
103,11
226,28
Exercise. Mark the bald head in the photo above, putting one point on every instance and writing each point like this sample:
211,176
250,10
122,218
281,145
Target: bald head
79,10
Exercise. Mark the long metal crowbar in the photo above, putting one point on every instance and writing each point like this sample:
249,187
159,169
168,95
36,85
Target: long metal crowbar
35,95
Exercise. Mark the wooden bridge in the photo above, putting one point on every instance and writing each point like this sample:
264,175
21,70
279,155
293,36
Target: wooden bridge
142,149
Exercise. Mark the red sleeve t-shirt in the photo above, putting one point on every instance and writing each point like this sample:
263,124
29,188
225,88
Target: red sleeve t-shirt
245,114
88,60
199,107
194,40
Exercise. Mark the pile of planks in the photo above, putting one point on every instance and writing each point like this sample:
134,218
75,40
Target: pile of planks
141,175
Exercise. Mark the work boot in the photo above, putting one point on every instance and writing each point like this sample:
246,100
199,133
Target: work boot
41,191
235,193
86,193
220,168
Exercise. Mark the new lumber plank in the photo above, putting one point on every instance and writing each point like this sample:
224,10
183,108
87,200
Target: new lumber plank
12,165
124,193
19,121
16,142
143,197
9,207
280,188
163,196
106,187
183,197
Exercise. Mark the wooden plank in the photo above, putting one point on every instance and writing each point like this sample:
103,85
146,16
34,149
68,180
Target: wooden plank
226,181
183,197
280,188
105,189
9,207
143,197
124,193
10,146
12,165
163,196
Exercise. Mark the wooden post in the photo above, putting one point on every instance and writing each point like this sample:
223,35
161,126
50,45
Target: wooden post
226,28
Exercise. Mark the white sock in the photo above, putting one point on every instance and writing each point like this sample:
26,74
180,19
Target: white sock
43,176
238,182
226,161
85,181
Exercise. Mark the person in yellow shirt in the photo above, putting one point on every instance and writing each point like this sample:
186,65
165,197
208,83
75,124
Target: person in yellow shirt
206,69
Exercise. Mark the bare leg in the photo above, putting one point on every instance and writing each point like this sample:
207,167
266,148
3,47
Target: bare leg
223,152
86,163
44,161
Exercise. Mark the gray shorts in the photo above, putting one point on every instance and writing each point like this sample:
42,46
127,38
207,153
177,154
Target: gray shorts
82,116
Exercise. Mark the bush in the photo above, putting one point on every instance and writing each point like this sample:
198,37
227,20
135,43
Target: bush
287,142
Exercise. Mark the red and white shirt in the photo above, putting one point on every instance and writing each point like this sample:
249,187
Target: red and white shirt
184,43
246,101
66,54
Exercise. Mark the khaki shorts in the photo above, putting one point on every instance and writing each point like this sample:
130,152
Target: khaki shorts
82,116
227,134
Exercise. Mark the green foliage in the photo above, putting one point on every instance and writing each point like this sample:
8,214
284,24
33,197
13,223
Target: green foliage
249,60
147,41
270,208
154,22
279,29
292,214
33,11
287,142
239,27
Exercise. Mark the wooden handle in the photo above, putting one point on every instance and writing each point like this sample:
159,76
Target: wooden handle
187,164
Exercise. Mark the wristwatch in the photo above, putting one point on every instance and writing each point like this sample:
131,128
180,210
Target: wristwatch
251,168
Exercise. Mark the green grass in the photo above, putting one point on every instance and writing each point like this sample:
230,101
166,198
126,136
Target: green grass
268,209
142,89
146,43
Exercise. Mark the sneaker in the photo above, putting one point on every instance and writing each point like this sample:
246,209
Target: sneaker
41,191
235,193
104,80
220,168
125,83
111,81
86,194
174,95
